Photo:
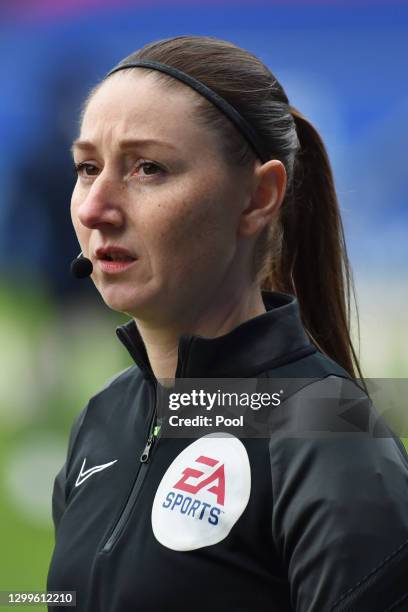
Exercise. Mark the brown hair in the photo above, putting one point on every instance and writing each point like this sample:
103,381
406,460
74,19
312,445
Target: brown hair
304,251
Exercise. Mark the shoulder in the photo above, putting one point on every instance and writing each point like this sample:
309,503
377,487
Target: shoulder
129,375
329,414
333,451
340,492
114,388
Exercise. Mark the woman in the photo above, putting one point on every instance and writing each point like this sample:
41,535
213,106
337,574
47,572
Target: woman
205,203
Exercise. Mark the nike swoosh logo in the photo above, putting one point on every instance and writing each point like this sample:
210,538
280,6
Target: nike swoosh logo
84,474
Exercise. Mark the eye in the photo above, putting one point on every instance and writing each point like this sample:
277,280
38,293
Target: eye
78,168
148,167
86,170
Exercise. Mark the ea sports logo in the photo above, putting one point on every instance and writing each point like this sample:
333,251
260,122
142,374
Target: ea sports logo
202,494
217,477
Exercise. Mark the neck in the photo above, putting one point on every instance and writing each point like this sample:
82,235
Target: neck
162,342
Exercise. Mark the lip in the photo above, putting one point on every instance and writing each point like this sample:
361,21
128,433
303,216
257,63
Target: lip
109,249
114,267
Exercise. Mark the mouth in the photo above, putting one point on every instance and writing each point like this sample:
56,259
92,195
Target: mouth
117,257
114,259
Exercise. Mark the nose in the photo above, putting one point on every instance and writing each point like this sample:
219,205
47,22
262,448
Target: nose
103,204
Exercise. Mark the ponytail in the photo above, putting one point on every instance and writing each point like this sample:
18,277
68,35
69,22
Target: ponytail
312,262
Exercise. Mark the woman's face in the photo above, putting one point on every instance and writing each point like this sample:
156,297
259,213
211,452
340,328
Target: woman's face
153,184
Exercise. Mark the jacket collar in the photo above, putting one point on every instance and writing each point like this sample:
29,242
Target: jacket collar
264,342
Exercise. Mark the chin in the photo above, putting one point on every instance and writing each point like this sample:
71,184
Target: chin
121,301
128,299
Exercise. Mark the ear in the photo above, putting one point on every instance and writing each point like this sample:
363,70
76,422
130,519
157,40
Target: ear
267,196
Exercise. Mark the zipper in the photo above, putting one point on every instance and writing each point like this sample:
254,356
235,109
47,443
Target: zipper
141,474
144,457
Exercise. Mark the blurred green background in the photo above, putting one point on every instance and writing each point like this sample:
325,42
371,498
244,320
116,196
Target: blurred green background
52,360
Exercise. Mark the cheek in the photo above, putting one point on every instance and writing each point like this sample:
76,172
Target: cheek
81,231
193,230
73,210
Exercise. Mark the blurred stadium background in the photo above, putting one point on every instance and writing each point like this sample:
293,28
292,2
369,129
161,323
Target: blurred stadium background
343,64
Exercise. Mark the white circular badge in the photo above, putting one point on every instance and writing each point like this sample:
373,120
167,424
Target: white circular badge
203,493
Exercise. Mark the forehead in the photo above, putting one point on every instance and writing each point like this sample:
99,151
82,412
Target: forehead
132,103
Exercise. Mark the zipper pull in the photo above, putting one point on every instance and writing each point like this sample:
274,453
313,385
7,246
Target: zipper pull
145,455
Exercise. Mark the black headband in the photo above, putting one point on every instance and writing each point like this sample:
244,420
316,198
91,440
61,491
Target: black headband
224,106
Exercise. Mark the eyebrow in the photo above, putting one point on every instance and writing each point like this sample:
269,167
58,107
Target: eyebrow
129,143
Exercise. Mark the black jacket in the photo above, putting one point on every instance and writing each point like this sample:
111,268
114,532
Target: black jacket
312,523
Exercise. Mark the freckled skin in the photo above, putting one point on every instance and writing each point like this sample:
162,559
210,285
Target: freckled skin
183,225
